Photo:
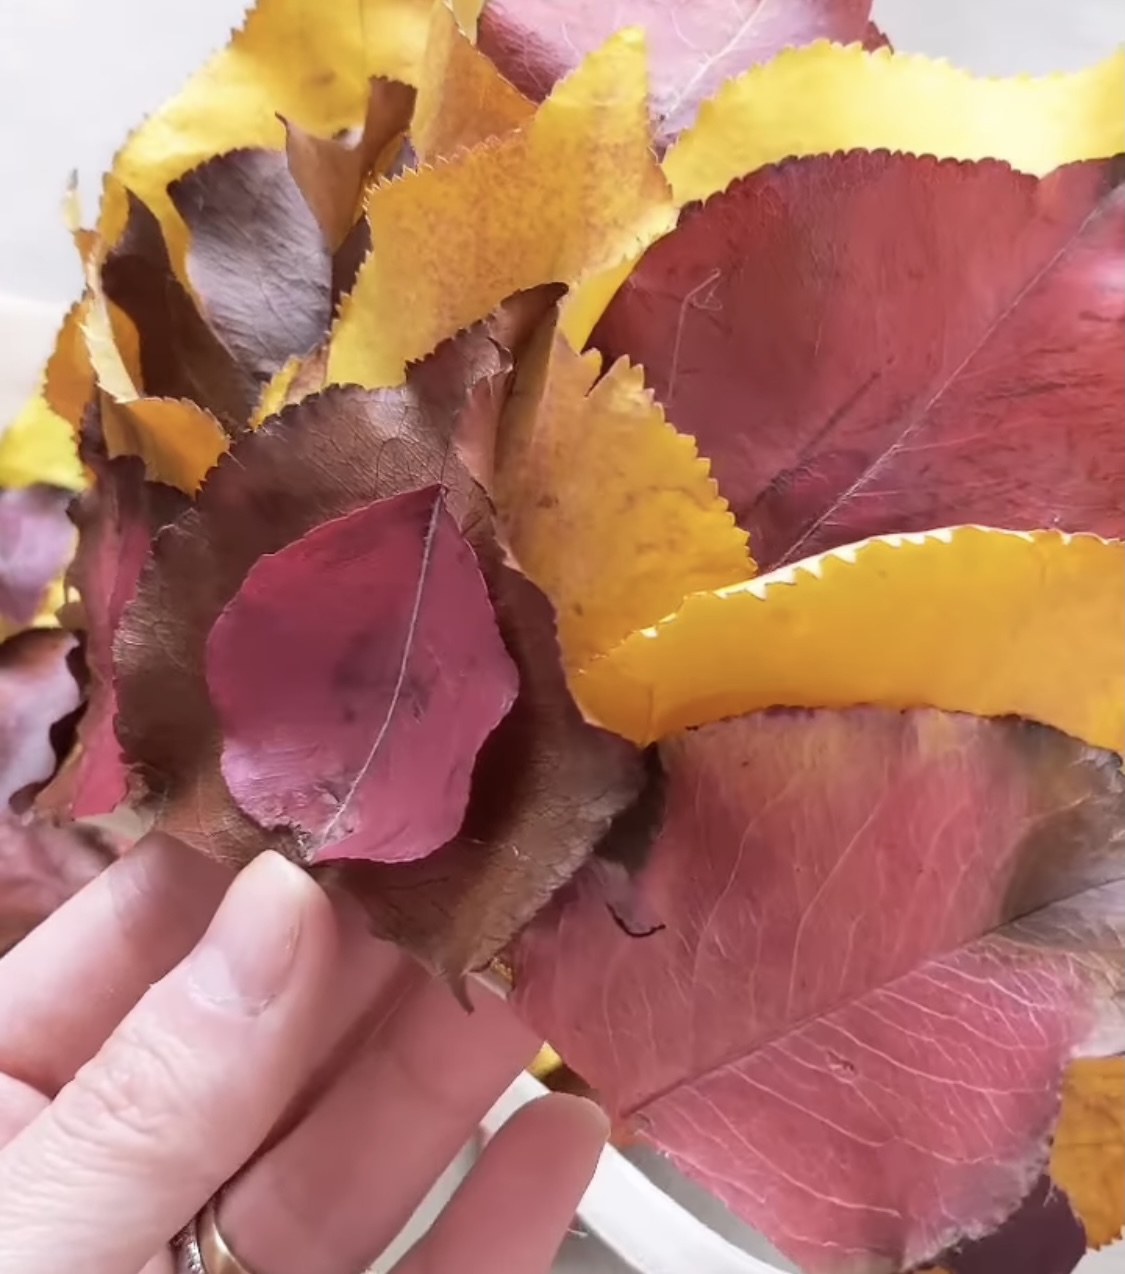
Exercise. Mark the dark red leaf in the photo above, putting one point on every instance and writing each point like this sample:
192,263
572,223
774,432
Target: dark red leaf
874,38
258,261
1042,1236
36,541
355,675
693,48
37,690
181,357
868,343
41,866
886,935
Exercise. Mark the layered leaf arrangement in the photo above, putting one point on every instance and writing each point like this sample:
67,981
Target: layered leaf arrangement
638,494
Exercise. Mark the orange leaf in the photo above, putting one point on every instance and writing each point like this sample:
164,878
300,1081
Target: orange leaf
1088,1157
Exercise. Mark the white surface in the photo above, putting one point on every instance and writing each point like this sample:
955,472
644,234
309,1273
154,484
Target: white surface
75,76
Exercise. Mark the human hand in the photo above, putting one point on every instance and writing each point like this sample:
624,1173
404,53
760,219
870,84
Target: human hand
153,1048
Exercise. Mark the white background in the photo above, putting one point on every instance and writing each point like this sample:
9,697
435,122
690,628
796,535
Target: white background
76,75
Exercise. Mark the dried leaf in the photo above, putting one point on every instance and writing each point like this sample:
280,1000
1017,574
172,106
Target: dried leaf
331,172
394,675
463,99
37,690
1088,1155
602,503
694,48
960,322
463,239
885,937
825,97
36,541
965,620
68,380
38,447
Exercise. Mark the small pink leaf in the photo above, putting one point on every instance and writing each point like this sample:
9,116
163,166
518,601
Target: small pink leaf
886,934
356,674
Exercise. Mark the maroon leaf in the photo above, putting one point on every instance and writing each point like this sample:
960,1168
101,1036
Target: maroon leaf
885,936
181,357
36,541
693,48
37,690
393,675
258,261
867,343
874,38
41,865
1042,1236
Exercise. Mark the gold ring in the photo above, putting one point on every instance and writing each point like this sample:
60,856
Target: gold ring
215,1253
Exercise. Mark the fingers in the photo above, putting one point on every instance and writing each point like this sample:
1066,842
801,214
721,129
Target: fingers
513,1210
335,1192
19,1104
70,981
181,1093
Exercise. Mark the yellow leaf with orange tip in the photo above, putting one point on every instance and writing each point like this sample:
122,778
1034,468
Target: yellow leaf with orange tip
602,503
1088,1154
463,237
827,97
968,620
304,59
39,446
462,98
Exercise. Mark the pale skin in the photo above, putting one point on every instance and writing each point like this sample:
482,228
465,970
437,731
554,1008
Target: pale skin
173,1032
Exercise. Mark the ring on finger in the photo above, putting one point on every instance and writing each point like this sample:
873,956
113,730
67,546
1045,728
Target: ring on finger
206,1251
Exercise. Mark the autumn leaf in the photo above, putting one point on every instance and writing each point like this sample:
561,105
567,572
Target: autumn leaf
36,541
394,676
901,621
1088,1154
954,397
37,691
591,463
694,48
886,934
584,161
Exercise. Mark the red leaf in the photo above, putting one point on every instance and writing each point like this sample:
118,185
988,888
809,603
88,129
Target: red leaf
41,866
37,690
1042,1236
258,261
867,343
393,675
886,935
692,48
36,541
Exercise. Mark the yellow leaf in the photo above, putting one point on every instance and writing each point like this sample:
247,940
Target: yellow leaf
586,302
303,59
1088,1155
567,196
295,379
602,503
68,381
969,620
827,97
39,446
462,98
544,1062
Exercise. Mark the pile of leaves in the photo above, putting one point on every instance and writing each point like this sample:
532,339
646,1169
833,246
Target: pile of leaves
643,506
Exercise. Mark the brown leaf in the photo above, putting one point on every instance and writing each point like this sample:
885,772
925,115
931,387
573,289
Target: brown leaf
37,690
180,356
257,260
330,172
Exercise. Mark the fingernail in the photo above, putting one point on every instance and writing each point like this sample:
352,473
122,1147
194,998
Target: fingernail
245,958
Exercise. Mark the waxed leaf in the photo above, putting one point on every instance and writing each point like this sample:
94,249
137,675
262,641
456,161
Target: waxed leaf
331,172
36,541
965,619
257,260
37,691
41,866
886,935
694,48
394,675
866,343
583,160
592,465
825,97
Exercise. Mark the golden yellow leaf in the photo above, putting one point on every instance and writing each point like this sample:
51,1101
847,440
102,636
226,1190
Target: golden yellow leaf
68,381
462,98
39,446
463,233
303,59
602,503
544,1062
969,620
295,379
827,97
1088,1155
